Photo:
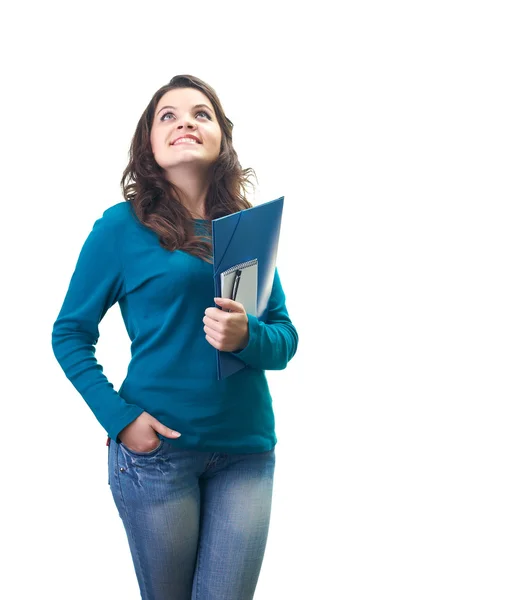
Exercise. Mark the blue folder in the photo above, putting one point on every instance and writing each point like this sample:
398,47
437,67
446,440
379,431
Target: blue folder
240,237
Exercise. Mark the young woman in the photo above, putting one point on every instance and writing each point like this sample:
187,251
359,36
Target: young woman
191,458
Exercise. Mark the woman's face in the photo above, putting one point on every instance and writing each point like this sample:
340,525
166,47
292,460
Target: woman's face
185,131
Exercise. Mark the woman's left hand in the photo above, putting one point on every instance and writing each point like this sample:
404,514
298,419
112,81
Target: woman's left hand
226,331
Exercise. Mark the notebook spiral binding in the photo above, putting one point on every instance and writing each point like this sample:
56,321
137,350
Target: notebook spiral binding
243,265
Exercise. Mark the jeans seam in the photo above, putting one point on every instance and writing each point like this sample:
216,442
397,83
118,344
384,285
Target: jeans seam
143,586
197,572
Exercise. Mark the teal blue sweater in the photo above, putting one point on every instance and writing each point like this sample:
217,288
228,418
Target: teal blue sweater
172,373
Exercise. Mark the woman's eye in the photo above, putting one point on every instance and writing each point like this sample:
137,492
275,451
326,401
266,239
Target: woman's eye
200,112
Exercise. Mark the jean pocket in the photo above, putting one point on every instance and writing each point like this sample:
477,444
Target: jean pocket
148,453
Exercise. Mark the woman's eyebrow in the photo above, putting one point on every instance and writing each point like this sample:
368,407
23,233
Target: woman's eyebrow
196,106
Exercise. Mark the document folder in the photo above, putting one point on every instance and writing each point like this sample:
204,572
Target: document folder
242,237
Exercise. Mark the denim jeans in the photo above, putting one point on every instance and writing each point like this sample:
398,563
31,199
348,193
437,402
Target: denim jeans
196,522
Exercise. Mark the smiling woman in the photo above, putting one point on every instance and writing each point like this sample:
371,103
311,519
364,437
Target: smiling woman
170,184
191,458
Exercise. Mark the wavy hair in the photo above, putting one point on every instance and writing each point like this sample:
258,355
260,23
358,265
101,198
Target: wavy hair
154,199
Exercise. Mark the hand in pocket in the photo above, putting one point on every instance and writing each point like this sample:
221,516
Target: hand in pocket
140,434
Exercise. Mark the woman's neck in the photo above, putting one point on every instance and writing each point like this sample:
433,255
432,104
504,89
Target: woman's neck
191,188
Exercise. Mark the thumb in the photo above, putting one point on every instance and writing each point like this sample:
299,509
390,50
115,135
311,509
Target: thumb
163,430
230,305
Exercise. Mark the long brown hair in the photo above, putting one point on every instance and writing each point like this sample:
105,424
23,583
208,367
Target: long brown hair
155,200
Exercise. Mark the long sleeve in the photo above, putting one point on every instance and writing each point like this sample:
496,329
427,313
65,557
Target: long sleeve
97,284
272,343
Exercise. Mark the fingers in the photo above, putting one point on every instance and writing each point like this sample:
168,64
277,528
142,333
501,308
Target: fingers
210,322
214,343
220,319
213,328
227,305
229,332
163,429
230,305
211,332
214,313
170,432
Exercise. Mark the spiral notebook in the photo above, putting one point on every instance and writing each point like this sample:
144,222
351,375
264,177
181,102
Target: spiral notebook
240,283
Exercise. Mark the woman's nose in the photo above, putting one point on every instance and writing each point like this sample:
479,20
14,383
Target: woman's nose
188,123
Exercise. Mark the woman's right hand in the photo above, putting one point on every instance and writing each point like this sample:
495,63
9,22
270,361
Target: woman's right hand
140,435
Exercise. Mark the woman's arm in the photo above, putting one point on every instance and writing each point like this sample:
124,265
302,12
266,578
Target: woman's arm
97,284
273,343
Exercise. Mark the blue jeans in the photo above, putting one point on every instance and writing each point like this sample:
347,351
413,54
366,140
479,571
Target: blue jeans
196,522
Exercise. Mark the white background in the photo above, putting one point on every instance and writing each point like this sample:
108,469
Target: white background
383,125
